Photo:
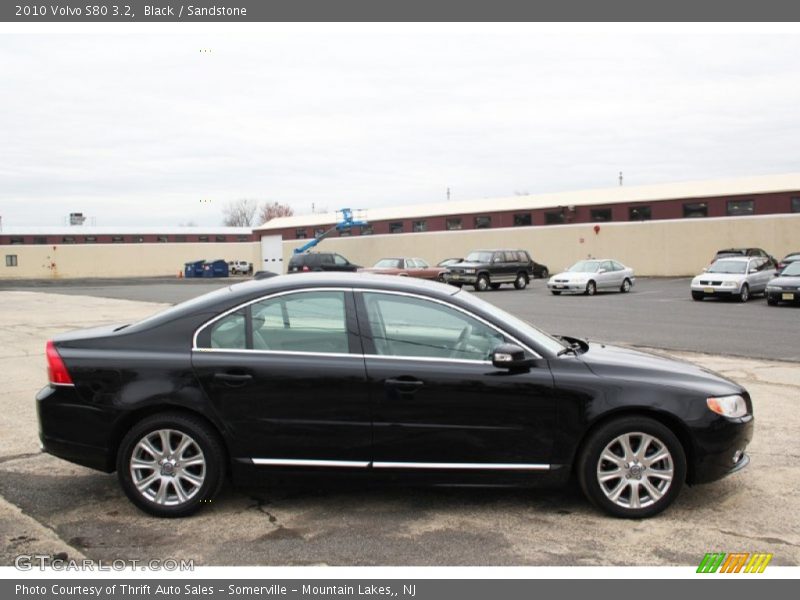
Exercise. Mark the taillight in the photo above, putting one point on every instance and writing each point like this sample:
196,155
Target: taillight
305,268
56,369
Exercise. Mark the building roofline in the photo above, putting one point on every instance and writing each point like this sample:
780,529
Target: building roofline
603,196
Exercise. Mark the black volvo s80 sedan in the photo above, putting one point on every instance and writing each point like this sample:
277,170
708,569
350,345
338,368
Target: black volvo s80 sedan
379,377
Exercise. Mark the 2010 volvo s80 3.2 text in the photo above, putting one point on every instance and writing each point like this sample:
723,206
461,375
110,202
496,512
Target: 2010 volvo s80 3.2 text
382,378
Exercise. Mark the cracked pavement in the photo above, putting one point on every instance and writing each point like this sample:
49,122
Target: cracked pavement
49,506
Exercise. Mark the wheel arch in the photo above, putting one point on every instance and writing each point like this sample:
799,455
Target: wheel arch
668,420
124,425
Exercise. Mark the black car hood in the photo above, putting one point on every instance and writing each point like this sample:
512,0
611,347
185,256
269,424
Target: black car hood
787,280
628,364
468,265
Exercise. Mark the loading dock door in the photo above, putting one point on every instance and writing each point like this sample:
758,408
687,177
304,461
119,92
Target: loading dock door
272,253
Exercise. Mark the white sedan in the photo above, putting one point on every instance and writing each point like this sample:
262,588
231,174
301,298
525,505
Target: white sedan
591,276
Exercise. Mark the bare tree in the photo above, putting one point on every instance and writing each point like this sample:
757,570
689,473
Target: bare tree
273,210
240,213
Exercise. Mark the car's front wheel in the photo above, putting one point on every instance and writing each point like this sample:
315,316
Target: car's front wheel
632,467
482,283
555,293
772,301
170,464
698,295
591,288
744,293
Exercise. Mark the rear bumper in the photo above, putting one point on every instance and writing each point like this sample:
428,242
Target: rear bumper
73,430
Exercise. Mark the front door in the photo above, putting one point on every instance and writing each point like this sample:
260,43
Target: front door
438,402
286,374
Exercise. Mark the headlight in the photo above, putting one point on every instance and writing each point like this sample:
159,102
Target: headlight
728,406
730,284
469,271
773,288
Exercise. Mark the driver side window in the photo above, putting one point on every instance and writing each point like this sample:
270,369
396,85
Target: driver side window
413,327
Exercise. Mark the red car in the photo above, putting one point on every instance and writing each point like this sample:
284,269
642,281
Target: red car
407,267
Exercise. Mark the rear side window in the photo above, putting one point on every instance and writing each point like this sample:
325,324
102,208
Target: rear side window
511,256
302,322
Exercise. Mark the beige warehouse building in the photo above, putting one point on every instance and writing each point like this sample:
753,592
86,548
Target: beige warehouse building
659,230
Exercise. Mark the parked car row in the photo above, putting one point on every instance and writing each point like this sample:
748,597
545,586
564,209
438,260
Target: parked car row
741,273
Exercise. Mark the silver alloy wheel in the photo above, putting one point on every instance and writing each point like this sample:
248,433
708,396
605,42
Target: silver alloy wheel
167,467
744,295
591,288
626,286
483,283
521,281
635,470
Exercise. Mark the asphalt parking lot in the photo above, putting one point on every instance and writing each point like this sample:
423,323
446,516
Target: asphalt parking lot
50,506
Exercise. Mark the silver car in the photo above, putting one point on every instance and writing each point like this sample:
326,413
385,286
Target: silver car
734,276
590,276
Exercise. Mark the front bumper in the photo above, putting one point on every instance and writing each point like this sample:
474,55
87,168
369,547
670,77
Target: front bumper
721,449
570,286
460,277
784,296
715,290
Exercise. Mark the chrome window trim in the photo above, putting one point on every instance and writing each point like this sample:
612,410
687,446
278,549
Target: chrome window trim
361,290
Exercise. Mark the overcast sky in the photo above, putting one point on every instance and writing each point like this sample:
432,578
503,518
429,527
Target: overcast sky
138,129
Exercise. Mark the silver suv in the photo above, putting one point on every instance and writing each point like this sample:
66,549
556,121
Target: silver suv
734,276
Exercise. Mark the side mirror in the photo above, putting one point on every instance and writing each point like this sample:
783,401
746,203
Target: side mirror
601,271
753,270
511,357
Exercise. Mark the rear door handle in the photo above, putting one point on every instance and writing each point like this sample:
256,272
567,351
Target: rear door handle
233,378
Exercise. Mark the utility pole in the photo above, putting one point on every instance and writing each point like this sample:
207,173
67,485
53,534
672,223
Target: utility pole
620,177
448,194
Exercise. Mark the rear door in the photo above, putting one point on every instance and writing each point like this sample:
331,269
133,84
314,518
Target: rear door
287,376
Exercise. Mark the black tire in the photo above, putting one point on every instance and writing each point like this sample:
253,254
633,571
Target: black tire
605,437
555,293
626,286
772,301
744,293
591,289
521,282
544,273
698,295
211,473
482,283
495,286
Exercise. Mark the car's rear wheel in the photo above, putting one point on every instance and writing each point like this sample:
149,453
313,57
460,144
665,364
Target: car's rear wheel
626,286
744,293
698,295
482,283
170,464
521,282
591,288
633,467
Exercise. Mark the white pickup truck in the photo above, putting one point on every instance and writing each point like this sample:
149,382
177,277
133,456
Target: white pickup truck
240,267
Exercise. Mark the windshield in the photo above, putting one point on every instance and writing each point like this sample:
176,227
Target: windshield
545,340
585,266
479,257
387,263
792,269
728,266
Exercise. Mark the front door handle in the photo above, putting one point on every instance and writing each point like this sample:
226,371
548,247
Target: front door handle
233,379
406,385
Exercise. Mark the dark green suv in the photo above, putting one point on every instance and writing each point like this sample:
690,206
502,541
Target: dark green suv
489,269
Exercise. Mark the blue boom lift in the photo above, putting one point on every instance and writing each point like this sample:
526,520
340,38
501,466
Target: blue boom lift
346,219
